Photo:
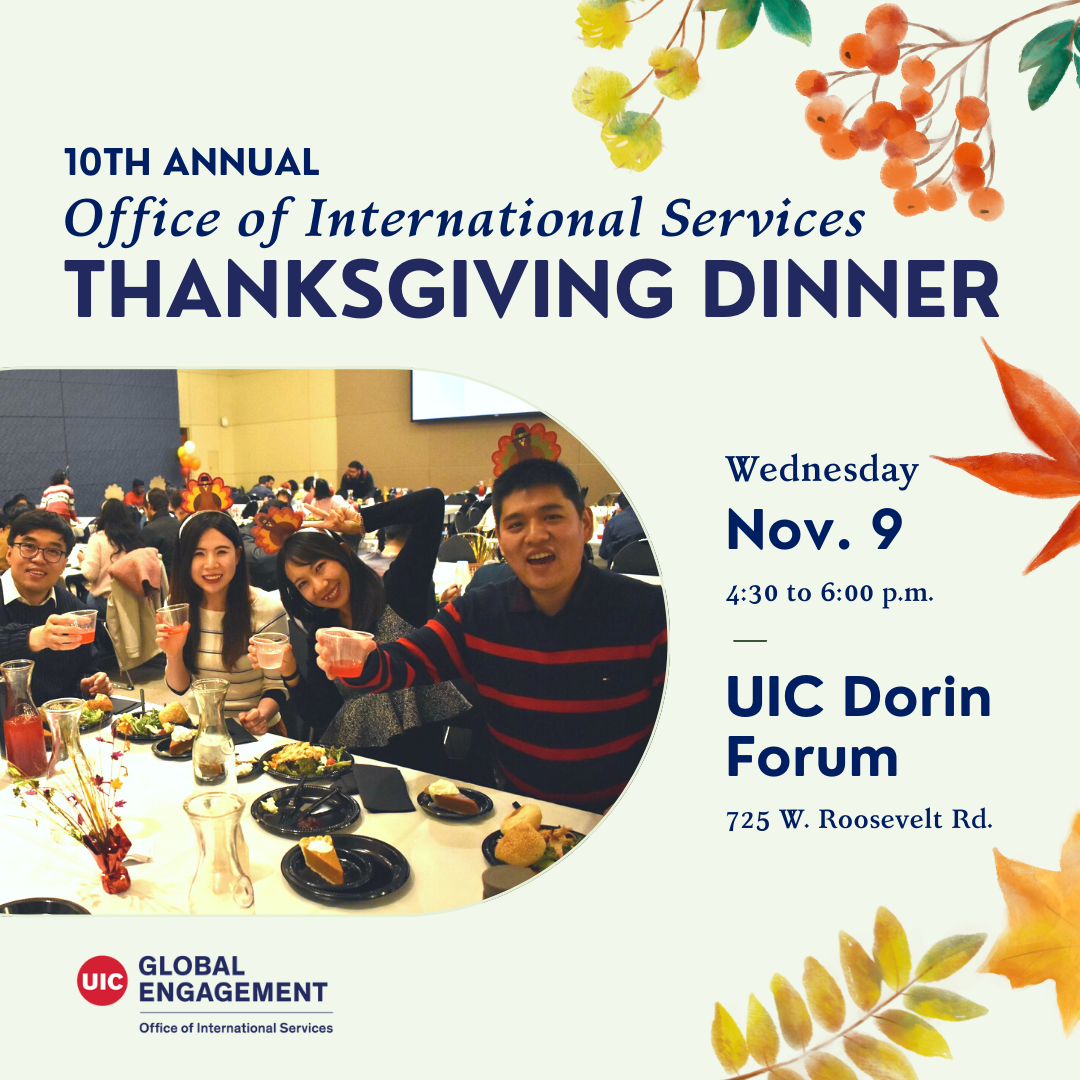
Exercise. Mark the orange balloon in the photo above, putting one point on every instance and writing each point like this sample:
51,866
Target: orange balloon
193,464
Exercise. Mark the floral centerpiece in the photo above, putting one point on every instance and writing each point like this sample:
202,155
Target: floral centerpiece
83,802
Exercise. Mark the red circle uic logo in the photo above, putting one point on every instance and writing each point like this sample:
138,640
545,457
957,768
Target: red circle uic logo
102,980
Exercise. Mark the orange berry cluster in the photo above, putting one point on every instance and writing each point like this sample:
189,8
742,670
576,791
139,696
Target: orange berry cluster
896,127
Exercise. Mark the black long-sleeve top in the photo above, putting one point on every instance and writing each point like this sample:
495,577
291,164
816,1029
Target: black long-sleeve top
407,584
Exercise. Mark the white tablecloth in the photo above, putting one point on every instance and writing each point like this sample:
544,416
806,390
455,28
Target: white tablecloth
445,856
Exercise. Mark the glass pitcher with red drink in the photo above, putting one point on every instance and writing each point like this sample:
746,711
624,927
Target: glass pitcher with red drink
24,733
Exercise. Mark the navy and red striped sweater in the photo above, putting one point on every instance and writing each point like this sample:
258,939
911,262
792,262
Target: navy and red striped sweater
570,699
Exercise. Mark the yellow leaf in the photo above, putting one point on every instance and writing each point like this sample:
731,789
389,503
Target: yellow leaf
761,1035
1042,940
949,955
878,1059
862,974
942,1004
795,1023
823,995
912,1033
891,949
783,1074
822,1066
727,1040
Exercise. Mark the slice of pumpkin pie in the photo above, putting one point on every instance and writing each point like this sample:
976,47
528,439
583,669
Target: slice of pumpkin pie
320,856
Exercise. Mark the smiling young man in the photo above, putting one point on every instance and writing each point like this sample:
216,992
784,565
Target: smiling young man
32,619
568,658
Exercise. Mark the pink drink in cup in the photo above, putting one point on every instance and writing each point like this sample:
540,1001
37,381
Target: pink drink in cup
172,617
269,649
86,621
344,653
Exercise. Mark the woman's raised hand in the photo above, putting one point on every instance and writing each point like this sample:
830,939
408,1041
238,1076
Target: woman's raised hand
171,639
343,519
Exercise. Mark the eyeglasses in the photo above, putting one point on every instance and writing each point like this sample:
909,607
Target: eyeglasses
29,552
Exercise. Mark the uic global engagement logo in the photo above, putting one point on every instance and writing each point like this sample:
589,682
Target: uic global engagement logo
102,980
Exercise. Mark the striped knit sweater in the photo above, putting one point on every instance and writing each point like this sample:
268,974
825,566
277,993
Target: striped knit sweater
247,684
570,699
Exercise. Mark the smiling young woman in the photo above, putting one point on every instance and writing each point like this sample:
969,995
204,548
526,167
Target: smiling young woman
211,577
323,584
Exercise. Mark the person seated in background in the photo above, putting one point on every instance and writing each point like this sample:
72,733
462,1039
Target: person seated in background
264,489
569,659
176,504
309,489
15,500
137,495
33,618
11,511
162,528
59,496
622,528
324,500
115,535
358,484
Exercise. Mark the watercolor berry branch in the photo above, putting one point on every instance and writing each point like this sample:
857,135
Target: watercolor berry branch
891,964
633,139
907,129
1053,425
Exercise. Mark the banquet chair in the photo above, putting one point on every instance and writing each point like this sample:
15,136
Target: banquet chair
131,623
458,548
636,558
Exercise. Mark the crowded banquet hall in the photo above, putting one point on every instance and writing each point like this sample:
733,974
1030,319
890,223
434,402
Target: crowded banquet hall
308,642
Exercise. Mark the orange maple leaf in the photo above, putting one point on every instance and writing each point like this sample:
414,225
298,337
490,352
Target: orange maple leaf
1043,938
1053,425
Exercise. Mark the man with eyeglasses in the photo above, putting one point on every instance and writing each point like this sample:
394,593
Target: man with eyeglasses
33,618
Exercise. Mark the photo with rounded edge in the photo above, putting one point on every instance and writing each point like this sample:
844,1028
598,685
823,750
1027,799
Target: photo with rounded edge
308,642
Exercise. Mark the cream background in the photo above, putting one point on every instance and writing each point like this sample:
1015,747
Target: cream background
624,948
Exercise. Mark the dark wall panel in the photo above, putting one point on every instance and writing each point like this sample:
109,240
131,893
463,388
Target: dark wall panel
106,427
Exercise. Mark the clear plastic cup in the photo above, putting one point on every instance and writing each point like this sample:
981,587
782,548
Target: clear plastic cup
173,617
269,649
344,652
86,621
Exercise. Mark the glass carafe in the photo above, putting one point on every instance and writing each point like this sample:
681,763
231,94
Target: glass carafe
24,743
221,885
213,756
63,715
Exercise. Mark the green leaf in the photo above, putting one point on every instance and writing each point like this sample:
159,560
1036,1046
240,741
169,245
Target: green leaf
738,23
1047,79
941,1004
790,18
1044,44
1076,61
713,5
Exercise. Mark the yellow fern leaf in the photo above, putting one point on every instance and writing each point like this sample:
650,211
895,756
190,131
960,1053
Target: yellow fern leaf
862,974
761,1037
891,949
727,1041
795,1023
823,996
